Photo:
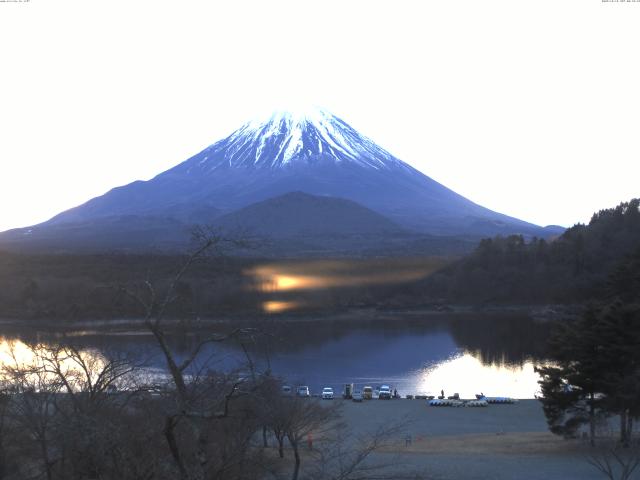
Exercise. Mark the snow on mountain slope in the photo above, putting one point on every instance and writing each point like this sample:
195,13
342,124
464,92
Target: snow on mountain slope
285,138
312,152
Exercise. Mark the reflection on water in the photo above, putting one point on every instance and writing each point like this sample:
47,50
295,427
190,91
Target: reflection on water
33,364
467,355
15,353
466,375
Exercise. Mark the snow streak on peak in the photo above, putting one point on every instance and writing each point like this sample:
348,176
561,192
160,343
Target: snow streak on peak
290,138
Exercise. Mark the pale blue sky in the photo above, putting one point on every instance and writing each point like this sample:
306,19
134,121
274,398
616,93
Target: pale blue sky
526,107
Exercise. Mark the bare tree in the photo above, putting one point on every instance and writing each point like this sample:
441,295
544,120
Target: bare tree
277,419
87,377
34,405
5,401
616,463
190,376
77,413
306,417
67,421
343,456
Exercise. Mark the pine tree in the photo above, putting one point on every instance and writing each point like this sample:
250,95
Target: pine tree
571,387
620,332
597,361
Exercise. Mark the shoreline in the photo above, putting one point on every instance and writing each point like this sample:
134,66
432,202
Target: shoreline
355,316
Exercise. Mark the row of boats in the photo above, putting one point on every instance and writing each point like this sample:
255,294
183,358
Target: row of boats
480,401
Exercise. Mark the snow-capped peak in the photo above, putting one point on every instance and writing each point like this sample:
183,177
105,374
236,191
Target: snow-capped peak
288,138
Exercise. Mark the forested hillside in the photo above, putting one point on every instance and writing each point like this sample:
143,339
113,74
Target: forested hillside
88,287
502,271
571,268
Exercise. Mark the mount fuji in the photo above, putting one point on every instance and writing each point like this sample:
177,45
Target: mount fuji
314,154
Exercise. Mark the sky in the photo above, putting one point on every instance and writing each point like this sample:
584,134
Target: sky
530,108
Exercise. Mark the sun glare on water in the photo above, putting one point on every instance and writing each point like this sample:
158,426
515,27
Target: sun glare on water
465,374
16,355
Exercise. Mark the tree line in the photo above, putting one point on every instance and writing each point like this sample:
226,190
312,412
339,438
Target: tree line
595,371
572,268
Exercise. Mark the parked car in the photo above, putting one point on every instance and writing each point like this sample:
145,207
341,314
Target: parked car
356,395
367,393
286,390
303,391
152,392
385,392
327,393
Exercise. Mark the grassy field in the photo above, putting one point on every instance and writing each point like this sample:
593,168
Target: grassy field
496,442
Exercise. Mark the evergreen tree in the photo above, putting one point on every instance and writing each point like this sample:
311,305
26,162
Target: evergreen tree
597,361
570,388
620,332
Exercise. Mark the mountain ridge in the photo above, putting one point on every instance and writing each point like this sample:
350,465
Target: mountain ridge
318,154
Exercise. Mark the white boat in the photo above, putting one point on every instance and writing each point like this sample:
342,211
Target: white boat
498,400
476,403
436,402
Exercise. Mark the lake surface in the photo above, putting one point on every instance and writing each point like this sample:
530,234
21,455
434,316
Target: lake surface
464,354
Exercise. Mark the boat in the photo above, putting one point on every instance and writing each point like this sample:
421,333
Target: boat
476,403
497,400
436,402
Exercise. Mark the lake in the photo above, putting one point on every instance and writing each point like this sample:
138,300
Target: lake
465,354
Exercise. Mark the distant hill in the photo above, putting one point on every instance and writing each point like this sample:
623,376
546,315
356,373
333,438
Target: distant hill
300,214
292,225
298,224
572,268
